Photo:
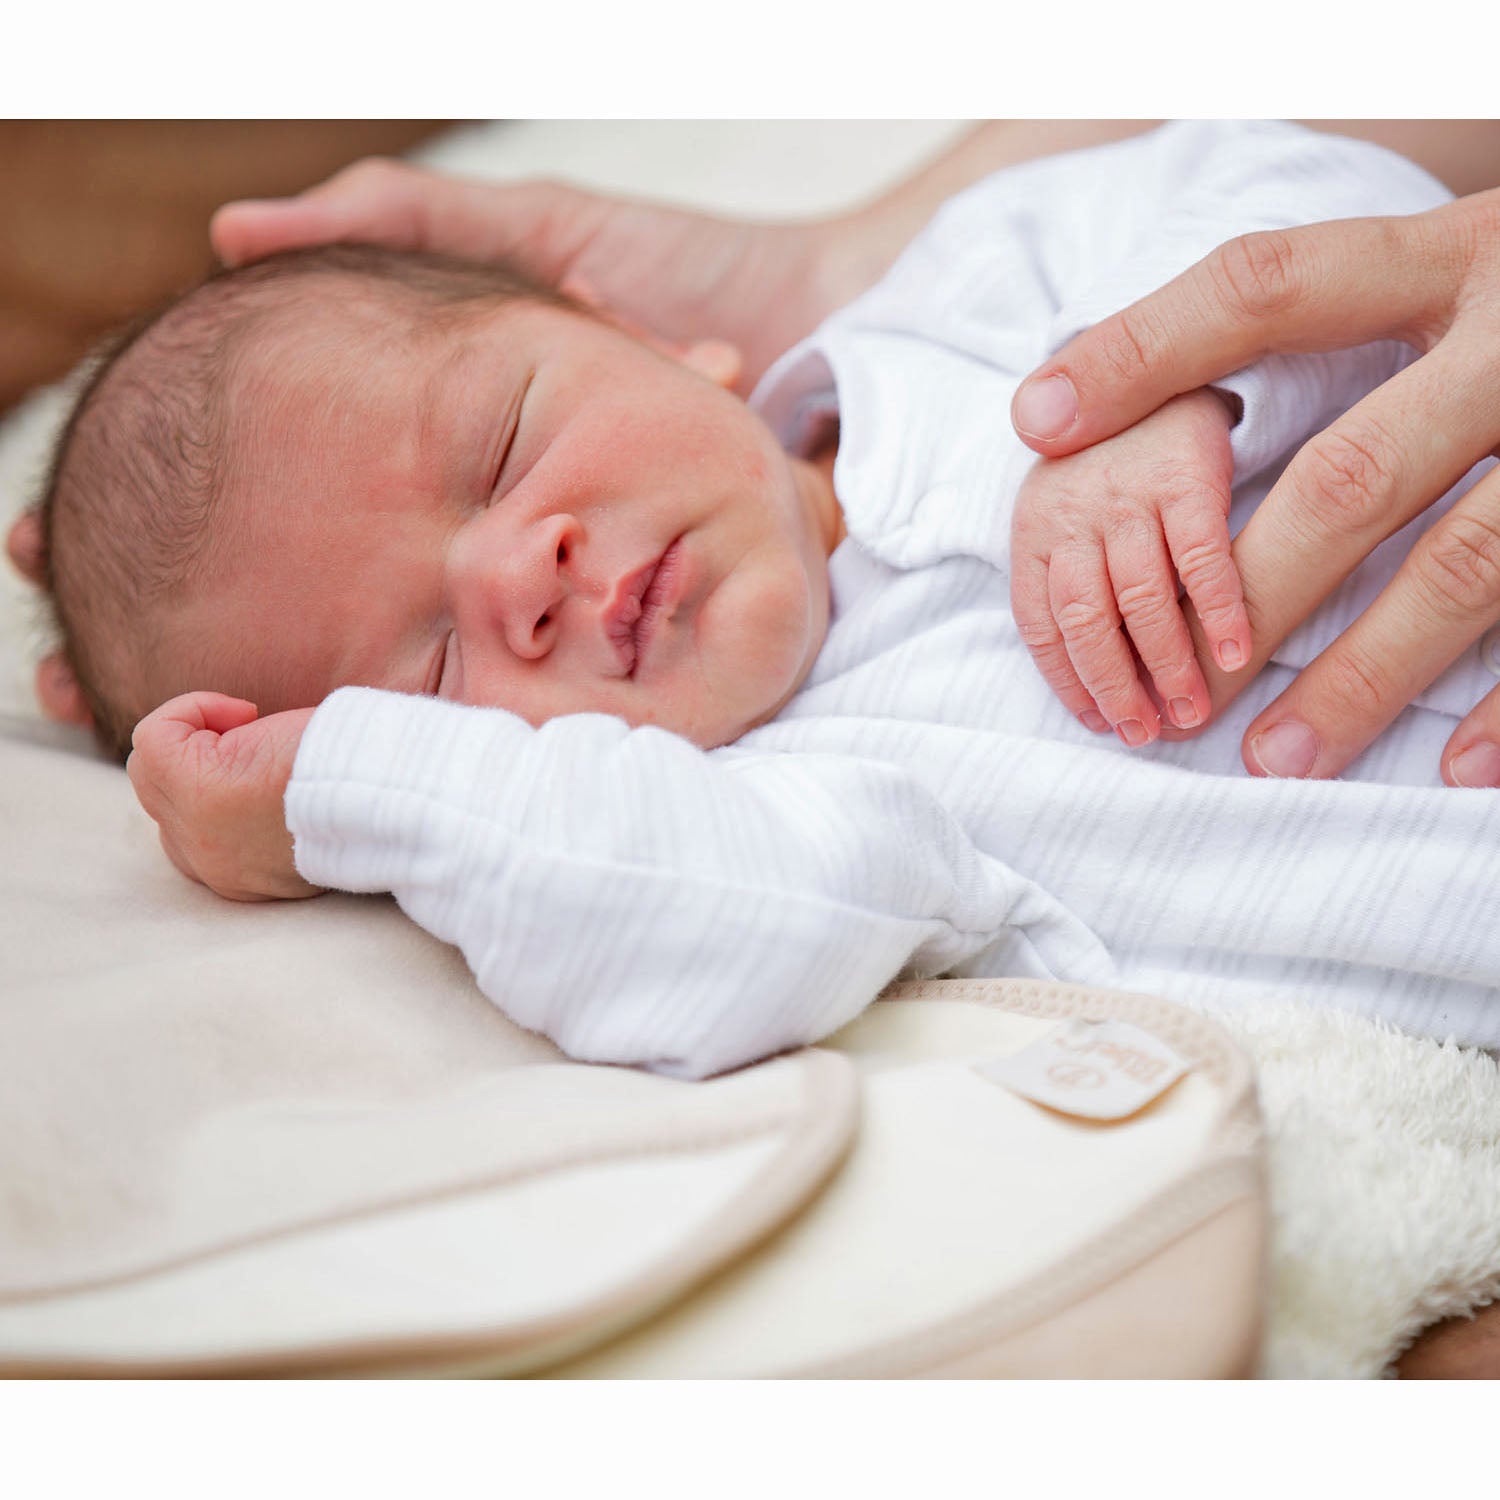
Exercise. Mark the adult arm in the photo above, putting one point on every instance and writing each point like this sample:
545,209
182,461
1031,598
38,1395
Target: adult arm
1431,280
640,901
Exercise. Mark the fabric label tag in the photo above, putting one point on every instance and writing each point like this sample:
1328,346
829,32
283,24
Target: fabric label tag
1096,1070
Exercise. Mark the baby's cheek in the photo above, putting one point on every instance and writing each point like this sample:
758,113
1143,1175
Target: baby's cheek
772,637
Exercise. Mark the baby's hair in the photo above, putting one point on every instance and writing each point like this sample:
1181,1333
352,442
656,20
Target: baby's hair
139,465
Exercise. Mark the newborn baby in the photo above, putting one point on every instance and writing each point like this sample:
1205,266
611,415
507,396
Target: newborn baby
349,465
739,722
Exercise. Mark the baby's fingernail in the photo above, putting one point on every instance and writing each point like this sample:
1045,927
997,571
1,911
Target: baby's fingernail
1133,732
1045,408
1094,721
1231,655
1184,713
1287,750
1479,765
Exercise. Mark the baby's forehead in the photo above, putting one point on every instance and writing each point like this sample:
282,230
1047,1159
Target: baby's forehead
346,365
338,321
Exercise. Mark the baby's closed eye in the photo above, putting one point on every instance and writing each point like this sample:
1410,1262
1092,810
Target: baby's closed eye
441,678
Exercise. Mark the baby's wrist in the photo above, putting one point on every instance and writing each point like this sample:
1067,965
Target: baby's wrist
1228,402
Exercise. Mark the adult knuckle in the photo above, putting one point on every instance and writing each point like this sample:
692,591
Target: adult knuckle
1460,564
1464,236
1127,344
374,171
1348,474
1356,683
1256,274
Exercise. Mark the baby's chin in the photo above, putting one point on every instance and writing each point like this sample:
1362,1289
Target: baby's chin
723,723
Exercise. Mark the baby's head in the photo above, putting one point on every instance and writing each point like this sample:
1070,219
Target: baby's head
354,466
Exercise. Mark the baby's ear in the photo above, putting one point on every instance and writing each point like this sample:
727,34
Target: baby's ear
714,359
24,545
58,692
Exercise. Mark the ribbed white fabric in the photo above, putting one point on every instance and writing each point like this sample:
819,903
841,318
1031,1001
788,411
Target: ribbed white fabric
924,804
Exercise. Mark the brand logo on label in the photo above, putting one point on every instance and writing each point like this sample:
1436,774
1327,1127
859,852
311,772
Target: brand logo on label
1133,1062
1076,1075
1095,1070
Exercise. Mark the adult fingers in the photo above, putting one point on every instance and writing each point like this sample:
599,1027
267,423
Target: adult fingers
1324,286
1033,614
1382,463
1145,588
374,201
1472,755
1446,593
407,208
1082,602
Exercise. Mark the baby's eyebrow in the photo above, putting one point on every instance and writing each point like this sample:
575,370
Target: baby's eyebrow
441,413
434,403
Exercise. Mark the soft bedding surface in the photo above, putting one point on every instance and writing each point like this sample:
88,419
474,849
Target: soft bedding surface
1385,1150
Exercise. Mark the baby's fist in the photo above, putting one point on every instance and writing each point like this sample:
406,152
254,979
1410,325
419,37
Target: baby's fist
214,777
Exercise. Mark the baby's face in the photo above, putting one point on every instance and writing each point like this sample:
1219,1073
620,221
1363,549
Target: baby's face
535,512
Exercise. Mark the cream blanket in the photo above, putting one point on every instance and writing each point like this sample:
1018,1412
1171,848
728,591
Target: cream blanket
132,1004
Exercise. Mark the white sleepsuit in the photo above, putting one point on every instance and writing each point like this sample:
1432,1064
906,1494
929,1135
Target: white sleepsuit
924,804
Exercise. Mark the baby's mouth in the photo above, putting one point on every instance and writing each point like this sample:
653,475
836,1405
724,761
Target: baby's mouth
641,600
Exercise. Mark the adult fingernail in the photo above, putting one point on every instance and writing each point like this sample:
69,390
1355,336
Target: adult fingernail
1479,765
1045,408
1287,750
1184,714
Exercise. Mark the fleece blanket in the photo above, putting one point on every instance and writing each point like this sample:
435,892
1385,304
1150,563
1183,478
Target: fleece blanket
1384,1149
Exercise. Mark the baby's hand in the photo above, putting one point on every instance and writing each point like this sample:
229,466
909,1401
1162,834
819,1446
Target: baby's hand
1103,536
214,777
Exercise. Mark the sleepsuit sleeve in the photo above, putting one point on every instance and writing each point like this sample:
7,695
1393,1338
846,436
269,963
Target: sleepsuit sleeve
641,901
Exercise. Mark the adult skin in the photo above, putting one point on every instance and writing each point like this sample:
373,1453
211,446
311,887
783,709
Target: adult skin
1431,280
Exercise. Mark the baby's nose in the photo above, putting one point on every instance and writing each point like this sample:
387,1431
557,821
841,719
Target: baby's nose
536,585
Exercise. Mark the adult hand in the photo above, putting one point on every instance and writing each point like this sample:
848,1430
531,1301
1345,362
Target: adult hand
1431,280
684,275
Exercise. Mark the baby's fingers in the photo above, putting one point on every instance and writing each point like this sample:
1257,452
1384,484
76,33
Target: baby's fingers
1083,604
179,719
175,745
1197,532
1145,588
1033,614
